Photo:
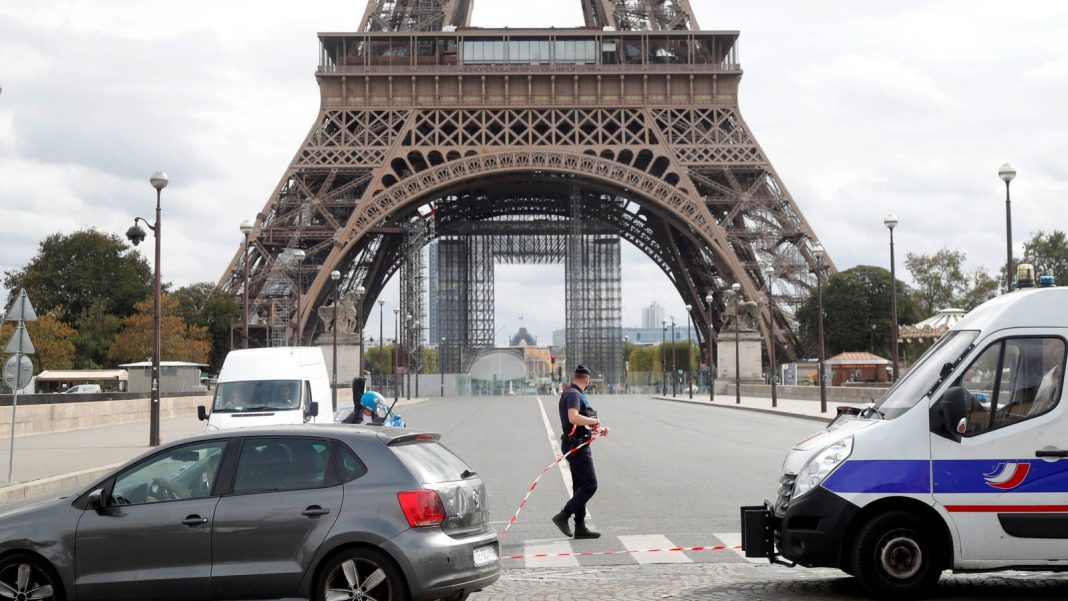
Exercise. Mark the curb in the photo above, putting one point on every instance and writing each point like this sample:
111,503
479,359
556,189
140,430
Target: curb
816,418
35,489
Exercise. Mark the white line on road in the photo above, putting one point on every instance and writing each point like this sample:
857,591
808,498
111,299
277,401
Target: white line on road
734,539
549,548
565,471
653,541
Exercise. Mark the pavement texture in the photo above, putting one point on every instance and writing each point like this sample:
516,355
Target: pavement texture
802,409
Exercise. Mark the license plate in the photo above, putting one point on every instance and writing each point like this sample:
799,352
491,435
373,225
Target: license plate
486,554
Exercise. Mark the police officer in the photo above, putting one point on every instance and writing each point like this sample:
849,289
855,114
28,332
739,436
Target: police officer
578,421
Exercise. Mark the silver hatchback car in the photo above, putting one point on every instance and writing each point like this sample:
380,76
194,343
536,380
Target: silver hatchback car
328,513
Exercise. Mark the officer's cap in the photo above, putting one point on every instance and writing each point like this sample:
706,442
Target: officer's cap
582,370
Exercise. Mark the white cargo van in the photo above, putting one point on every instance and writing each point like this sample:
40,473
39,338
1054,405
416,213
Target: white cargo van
963,465
270,386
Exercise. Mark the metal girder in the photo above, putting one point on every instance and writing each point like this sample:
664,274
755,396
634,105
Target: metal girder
640,15
416,15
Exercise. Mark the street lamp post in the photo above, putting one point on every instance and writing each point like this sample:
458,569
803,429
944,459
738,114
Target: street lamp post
770,271
335,276
736,287
246,229
408,357
396,355
626,362
299,256
891,222
360,291
689,350
136,235
441,366
709,299
674,362
817,251
381,338
663,357
1007,174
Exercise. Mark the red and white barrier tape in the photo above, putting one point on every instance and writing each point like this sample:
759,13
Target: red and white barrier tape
534,485
593,553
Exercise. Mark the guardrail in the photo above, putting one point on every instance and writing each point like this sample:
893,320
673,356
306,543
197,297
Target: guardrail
56,398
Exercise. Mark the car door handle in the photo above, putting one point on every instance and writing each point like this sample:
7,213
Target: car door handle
1051,453
315,512
194,520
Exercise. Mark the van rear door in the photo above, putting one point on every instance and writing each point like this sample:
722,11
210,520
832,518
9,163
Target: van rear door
1005,483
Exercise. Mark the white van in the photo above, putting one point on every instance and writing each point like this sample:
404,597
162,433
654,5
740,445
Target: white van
963,465
270,386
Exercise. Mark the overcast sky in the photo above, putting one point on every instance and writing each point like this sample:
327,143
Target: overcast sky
864,108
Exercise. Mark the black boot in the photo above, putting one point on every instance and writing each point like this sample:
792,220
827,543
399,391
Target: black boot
581,531
560,520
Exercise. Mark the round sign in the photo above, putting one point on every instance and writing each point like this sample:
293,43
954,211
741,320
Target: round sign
19,377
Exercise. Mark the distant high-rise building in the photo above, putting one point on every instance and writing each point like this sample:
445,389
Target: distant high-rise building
652,316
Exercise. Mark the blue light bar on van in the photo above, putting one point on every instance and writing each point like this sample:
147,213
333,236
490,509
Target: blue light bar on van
1045,281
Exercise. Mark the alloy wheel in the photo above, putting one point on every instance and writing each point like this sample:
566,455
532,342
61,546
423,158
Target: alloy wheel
24,582
358,580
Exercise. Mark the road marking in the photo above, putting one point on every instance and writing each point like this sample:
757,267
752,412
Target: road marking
650,542
565,471
551,549
734,539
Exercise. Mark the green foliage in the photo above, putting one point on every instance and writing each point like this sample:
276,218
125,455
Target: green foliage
378,361
73,272
203,306
178,340
1049,254
856,312
941,282
97,329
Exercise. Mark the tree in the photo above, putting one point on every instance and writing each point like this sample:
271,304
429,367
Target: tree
203,306
97,328
72,272
941,282
52,339
856,311
178,340
1049,254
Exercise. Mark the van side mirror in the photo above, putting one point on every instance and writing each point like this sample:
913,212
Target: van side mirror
96,499
202,413
314,410
954,408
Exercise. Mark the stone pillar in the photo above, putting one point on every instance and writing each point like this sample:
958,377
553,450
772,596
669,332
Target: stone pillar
750,345
348,356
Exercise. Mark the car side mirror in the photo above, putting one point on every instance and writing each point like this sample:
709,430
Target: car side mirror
954,408
313,410
96,499
202,413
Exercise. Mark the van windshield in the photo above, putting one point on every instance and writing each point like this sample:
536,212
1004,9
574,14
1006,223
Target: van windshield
257,395
925,373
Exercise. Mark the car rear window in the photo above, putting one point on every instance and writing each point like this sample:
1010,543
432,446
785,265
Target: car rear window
431,462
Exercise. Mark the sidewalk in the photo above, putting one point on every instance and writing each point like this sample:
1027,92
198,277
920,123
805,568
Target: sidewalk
789,407
47,464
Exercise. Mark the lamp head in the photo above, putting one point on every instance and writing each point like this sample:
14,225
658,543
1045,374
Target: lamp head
159,180
709,298
396,310
335,275
360,291
381,302
890,221
736,286
1007,173
299,254
135,234
246,227
817,251
689,308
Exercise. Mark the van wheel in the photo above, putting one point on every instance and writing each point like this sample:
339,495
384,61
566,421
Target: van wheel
897,556
361,574
25,576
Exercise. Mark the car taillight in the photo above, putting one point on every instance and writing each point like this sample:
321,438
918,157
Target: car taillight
422,508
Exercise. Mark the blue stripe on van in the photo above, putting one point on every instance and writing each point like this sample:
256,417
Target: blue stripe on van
973,475
881,476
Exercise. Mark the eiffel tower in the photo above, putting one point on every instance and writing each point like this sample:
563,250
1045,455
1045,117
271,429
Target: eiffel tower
525,145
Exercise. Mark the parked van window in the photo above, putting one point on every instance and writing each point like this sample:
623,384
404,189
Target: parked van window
1013,380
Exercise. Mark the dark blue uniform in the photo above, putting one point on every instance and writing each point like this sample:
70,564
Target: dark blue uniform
583,476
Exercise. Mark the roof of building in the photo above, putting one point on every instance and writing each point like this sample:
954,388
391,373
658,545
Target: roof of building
164,364
857,359
934,326
81,374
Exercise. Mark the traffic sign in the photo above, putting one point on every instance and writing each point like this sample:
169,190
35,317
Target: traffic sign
20,342
21,309
18,377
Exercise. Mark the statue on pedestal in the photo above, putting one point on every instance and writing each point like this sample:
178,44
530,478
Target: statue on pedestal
747,312
346,315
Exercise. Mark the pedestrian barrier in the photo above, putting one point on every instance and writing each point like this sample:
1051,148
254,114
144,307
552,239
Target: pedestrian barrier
600,433
629,552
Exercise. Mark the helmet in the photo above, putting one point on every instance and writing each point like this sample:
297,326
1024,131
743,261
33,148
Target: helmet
370,400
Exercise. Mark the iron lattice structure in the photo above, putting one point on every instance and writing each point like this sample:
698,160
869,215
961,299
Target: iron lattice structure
634,118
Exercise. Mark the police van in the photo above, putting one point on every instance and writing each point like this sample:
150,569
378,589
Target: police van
962,465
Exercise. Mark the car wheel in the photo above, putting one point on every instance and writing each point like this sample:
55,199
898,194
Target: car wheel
25,577
896,556
361,575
